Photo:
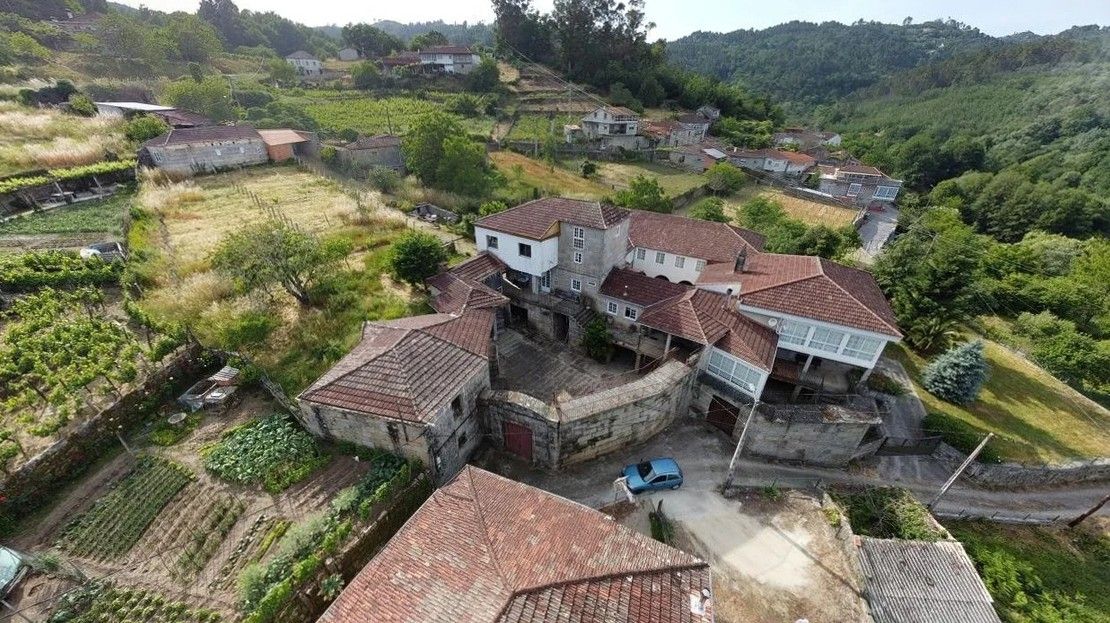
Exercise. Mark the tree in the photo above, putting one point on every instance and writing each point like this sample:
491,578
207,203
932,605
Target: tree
723,178
191,38
365,75
485,77
384,179
370,42
957,375
644,193
210,98
145,127
491,207
463,168
521,29
588,169
274,253
596,340
280,70
416,256
709,209
429,39
9,449
929,274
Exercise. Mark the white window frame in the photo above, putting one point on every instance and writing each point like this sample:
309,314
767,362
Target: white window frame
579,243
679,261
577,257
660,257
699,265
630,312
641,253
612,308
575,285
862,347
491,242
794,332
826,340
736,373
579,233
854,189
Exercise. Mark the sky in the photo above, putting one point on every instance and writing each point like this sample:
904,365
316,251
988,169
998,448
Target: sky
676,18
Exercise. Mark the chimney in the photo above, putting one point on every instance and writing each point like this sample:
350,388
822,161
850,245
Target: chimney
699,602
741,259
728,299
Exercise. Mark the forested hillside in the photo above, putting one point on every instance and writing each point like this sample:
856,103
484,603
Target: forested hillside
801,63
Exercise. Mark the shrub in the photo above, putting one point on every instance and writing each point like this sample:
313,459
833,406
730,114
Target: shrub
960,435
723,178
889,513
597,341
709,209
589,169
416,256
957,375
81,104
384,179
145,127
884,384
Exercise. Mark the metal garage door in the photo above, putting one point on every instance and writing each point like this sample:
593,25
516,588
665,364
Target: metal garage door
518,440
722,415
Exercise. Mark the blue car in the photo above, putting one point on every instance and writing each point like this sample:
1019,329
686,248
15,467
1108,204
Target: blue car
653,475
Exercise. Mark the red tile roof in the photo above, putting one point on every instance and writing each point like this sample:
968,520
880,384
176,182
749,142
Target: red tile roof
404,58
638,288
486,549
204,134
707,240
480,267
813,287
536,219
709,318
456,295
408,368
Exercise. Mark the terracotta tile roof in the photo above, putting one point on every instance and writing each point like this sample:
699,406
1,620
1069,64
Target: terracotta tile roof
719,273
712,242
536,219
638,288
813,287
480,267
659,127
204,134
456,295
404,58
486,549
281,137
408,368
375,142
620,111
706,318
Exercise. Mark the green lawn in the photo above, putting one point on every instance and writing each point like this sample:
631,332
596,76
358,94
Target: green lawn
1035,417
1068,564
538,127
91,216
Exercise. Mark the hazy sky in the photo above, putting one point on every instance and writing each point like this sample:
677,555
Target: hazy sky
675,18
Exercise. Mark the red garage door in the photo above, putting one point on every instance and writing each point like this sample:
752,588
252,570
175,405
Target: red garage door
518,440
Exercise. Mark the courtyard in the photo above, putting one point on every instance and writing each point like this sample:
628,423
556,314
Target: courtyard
546,369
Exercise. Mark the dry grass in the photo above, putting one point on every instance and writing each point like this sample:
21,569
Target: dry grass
557,181
673,180
809,212
32,138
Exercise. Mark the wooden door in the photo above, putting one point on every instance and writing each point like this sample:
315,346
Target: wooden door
723,415
518,440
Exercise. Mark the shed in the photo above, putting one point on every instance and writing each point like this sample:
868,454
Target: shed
434,214
281,144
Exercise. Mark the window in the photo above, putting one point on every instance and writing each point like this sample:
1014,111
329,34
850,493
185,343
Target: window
660,257
579,243
679,261
576,285
524,250
853,189
728,369
793,332
827,340
577,257
886,192
611,307
491,242
862,347
545,281
641,254
456,406
579,233
462,440
630,312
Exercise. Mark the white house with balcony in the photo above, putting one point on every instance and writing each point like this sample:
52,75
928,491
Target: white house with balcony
305,63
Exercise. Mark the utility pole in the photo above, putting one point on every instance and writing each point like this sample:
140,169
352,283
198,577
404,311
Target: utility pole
960,470
739,446
1080,519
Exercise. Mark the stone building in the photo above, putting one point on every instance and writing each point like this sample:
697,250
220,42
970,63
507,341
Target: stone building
305,63
383,150
858,183
207,149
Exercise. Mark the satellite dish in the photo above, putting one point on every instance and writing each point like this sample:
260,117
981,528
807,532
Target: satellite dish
772,322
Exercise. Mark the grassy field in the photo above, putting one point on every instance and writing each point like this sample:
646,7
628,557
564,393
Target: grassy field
674,181
539,127
809,212
31,139
1035,417
294,343
1067,563
553,181
340,110
91,216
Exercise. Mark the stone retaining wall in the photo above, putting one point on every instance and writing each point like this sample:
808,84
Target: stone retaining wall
1013,475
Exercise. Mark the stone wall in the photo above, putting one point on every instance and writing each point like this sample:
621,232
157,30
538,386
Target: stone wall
29,486
192,159
590,426
1015,475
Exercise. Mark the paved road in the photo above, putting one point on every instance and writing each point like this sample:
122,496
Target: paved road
703,452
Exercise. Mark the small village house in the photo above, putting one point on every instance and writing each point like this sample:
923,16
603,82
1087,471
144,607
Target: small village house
698,157
383,150
450,59
694,124
779,162
207,149
612,125
394,63
305,63
858,183
805,140
512,553
283,144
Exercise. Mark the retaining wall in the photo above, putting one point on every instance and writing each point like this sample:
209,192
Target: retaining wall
1014,475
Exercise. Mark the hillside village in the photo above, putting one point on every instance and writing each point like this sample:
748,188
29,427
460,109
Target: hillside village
447,322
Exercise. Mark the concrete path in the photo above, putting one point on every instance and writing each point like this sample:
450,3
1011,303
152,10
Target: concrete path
703,452
874,232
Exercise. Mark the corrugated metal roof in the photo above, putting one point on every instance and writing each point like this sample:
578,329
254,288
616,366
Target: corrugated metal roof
923,582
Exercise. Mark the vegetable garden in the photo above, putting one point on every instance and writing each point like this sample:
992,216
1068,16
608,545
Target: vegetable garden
336,111
273,452
117,520
101,602
104,215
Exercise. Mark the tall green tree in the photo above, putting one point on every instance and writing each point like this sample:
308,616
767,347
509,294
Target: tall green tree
644,193
958,375
371,42
415,256
210,97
